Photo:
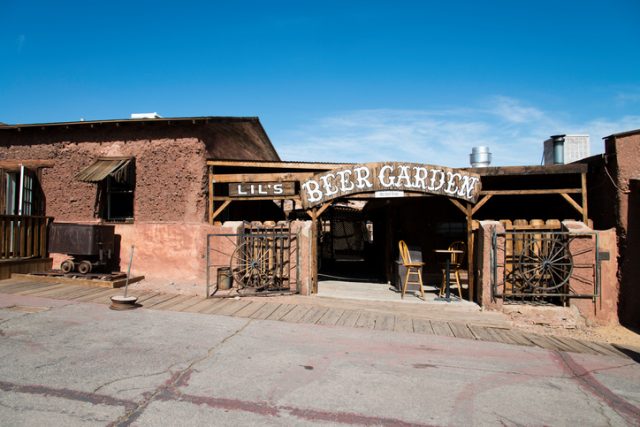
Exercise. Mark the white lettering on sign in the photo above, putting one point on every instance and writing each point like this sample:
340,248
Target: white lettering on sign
389,177
261,189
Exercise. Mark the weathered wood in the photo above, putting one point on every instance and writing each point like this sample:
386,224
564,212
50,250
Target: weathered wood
459,205
249,310
240,189
460,330
189,302
349,318
470,254
366,320
168,303
232,308
481,203
296,314
422,326
313,315
572,202
256,178
573,168
530,192
331,317
403,324
39,291
158,299
585,212
271,164
217,305
218,211
281,311
200,306
211,195
481,333
441,328
385,322
265,311
389,177
14,165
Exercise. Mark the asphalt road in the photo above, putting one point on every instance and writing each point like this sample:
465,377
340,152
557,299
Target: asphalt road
73,364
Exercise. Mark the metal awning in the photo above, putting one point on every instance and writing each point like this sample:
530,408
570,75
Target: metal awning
117,167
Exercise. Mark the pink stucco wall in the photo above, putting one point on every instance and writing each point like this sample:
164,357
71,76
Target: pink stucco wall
603,310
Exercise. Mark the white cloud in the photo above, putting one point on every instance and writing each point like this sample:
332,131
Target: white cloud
513,130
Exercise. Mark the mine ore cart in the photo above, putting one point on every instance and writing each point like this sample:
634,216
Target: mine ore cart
89,246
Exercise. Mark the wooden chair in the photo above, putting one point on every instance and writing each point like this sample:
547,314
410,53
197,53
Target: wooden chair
413,268
455,264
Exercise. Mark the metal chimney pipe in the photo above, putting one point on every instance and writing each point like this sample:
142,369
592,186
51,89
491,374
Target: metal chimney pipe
480,157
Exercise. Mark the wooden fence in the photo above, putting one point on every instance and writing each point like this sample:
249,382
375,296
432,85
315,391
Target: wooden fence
23,236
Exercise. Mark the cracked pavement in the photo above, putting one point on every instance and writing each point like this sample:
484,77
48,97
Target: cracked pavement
83,364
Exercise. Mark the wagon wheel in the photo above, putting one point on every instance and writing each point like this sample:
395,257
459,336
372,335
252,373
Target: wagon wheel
249,267
545,264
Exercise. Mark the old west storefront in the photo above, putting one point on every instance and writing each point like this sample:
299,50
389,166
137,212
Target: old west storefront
190,211
427,206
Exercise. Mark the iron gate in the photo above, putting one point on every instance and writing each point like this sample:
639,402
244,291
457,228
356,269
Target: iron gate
544,265
256,261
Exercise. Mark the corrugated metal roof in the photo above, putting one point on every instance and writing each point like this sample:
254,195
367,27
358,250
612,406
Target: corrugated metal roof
116,167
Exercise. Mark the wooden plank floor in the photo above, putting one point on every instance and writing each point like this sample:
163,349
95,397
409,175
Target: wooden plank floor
307,313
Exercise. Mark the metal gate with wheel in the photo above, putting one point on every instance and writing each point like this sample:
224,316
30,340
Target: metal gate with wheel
257,261
545,265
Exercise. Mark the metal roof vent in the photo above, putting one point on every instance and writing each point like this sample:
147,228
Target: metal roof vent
145,116
480,157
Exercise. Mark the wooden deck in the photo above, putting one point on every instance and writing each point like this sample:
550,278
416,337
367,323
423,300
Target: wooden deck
338,315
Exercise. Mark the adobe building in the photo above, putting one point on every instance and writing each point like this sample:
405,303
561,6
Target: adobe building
614,188
212,210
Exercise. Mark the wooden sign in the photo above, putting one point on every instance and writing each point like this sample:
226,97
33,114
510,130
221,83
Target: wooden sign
390,177
261,189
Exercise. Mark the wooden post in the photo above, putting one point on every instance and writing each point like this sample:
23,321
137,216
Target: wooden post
585,216
470,252
211,217
313,262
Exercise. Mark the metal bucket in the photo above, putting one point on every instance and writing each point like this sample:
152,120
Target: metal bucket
224,278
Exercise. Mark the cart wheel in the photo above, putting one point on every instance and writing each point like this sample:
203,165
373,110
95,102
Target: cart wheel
67,266
249,267
84,267
546,265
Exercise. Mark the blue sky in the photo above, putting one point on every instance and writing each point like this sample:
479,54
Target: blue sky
357,81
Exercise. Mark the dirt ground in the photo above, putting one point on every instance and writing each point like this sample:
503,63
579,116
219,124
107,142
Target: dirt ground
568,323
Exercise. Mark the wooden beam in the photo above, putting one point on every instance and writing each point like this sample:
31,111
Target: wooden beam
220,209
322,208
239,199
281,165
481,203
573,168
573,203
14,165
585,216
262,177
459,205
530,192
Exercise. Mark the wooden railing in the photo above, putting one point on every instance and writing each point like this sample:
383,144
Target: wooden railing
23,236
